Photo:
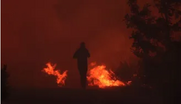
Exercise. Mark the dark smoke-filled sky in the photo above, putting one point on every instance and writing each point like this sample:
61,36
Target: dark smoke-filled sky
37,31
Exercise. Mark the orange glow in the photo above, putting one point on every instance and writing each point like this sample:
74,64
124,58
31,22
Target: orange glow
50,70
129,82
101,77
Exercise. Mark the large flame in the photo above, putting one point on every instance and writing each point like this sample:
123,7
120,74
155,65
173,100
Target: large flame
101,77
50,70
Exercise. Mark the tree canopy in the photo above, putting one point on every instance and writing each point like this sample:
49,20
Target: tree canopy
154,38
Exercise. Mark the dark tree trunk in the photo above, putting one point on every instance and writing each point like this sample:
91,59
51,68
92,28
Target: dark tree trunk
4,83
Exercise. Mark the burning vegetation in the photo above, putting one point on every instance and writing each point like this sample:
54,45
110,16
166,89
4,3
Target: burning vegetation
97,75
50,70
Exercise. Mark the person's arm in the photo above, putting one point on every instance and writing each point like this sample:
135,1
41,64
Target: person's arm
75,54
88,54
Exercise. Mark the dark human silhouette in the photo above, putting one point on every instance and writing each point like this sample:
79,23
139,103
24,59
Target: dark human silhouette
81,55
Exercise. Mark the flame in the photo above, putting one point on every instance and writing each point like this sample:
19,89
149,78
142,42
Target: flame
101,77
50,70
129,82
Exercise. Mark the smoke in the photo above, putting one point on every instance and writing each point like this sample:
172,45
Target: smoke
34,32
100,24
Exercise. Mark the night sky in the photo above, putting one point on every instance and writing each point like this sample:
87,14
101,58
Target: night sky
35,32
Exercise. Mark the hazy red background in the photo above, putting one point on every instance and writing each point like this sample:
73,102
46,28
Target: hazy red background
37,31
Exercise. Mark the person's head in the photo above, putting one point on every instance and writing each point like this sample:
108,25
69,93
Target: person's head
82,45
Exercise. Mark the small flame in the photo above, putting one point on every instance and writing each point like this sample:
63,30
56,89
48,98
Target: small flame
129,82
99,76
50,70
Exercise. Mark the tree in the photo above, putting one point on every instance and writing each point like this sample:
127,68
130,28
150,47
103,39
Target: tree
153,40
125,71
4,82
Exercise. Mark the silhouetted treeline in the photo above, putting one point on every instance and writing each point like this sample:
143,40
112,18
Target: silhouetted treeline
4,83
155,41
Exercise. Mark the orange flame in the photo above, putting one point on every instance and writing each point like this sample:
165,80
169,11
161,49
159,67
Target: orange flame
50,70
101,77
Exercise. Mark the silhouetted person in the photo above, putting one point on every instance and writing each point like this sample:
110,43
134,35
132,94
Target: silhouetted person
81,55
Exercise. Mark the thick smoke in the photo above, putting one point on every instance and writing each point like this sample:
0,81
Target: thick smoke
35,32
